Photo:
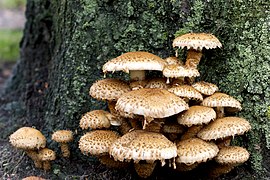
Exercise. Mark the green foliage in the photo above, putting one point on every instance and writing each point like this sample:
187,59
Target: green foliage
12,4
9,44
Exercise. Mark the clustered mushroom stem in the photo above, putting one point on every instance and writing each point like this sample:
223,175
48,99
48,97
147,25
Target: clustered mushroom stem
34,156
137,75
220,112
47,165
193,58
65,150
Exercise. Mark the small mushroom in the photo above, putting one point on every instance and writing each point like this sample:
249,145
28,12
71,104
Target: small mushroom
220,101
63,137
186,91
205,88
46,156
196,115
30,140
96,119
195,150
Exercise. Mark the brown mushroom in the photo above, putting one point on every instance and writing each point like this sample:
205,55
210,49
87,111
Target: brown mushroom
186,91
135,63
224,127
30,140
150,103
140,145
63,137
195,150
96,119
220,101
196,115
46,156
205,88
195,42
179,71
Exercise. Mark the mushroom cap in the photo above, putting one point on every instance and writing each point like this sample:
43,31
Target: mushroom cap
175,71
173,60
46,154
197,41
155,103
138,60
224,127
196,115
142,145
62,136
157,83
108,89
194,150
205,88
221,100
96,119
28,138
97,142
232,155
186,91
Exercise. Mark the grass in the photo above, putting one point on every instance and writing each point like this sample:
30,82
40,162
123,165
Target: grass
9,44
12,4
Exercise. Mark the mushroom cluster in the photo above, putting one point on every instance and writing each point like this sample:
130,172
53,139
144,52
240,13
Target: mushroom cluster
170,119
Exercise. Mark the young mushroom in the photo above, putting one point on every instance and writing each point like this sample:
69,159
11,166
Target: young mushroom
30,140
63,137
46,156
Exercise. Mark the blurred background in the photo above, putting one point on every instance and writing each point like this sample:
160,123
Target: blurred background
12,21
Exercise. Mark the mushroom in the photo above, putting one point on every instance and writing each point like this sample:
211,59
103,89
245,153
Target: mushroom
195,150
172,130
224,127
108,89
191,132
186,91
221,100
63,137
97,143
135,63
173,60
46,156
205,88
96,119
141,145
228,158
144,169
30,140
157,83
150,103
196,115
195,42
179,71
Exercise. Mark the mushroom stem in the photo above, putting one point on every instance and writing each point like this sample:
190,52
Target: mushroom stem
144,170
137,75
47,165
224,142
125,127
193,58
191,132
220,112
34,156
65,150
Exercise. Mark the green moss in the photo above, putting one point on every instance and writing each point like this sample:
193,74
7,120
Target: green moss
9,44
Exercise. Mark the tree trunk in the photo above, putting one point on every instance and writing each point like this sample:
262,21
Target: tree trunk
65,44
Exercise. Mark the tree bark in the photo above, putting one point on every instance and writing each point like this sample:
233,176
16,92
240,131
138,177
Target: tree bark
65,44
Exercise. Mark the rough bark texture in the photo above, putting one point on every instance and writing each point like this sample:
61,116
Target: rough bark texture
66,43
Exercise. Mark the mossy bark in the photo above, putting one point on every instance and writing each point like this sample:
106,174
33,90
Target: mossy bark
66,43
